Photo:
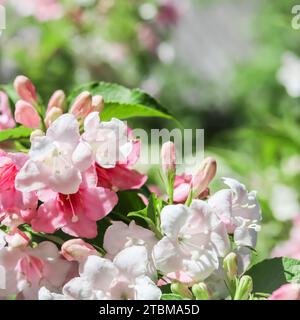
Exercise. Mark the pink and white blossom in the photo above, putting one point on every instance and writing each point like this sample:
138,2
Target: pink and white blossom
194,240
124,278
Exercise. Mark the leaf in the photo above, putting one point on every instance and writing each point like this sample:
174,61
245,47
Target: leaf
123,103
15,133
171,296
270,274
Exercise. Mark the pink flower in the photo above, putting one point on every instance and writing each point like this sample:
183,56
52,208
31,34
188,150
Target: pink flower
289,291
82,105
168,13
27,115
57,100
168,158
76,214
182,187
15,206
27,269
291,247
6,118
122,177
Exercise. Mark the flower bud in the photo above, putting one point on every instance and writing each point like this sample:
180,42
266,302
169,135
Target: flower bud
77,250
244,288
82,105
52,115
168,158
26,114
230,265
200,291
57,100
25,89
17,239
36,133
97,103
204,176
181,289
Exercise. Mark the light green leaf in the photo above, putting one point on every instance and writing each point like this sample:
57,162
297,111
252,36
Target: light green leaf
15,133
123,103
270,274
171,296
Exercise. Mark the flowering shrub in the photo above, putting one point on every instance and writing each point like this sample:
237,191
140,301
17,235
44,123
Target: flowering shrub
79,222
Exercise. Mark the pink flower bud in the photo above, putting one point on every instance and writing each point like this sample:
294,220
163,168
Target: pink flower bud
168,157
289,291
25,89
26,114
97,103
204,176
17,239
82,105
57,100
52,115
77,250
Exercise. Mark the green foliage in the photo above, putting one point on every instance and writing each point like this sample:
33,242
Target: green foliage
15,134
270,274
123,103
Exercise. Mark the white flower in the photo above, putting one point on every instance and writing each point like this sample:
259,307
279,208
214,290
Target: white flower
108,140
56,160
239,211
289,74
194,239
126,277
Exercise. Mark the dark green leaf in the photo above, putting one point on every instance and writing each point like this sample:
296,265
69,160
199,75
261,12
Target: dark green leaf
270,274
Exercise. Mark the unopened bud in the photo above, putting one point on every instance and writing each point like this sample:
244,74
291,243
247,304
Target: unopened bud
168,157
204,176
36,133
17,239
25,89
230,265
57,100
200,291
27,115
77,250
244,288
82,105
52,115
97,103
181,289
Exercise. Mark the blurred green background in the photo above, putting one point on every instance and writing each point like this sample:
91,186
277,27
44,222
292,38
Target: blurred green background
231,67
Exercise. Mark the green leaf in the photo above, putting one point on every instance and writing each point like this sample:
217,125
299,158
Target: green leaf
270,274
15,133
123,103
171,296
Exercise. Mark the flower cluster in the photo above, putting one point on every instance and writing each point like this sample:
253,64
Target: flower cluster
196,244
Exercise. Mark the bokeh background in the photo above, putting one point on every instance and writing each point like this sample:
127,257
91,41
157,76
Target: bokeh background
231,67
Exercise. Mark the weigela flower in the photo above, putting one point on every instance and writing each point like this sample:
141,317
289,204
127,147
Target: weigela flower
239,211
15,206
289,291
77,213
194,240
26,269
55,160
124,278
120,236
108,140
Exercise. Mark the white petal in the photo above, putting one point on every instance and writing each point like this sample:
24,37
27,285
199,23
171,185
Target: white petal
133,262
79,289
173,218
167,256
45,294
245,236
91,122
82,156
146,289
65,130
100,272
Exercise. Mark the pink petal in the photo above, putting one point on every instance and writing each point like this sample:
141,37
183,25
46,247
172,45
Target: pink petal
26,114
